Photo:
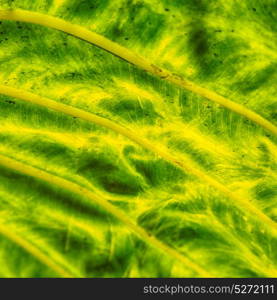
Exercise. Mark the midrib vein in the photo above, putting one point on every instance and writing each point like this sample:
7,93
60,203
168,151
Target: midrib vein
8,233
185,164
85,193
131,57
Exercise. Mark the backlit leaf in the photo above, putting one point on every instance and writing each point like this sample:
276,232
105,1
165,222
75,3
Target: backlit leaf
138,138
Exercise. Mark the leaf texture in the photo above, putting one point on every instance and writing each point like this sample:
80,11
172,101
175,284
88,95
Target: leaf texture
138,138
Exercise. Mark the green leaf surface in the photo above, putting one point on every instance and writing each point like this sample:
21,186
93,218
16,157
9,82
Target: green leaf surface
138,138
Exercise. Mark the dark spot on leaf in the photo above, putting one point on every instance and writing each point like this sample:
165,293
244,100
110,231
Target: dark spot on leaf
199,42
10,101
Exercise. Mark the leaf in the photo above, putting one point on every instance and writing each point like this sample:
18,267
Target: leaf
138,138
